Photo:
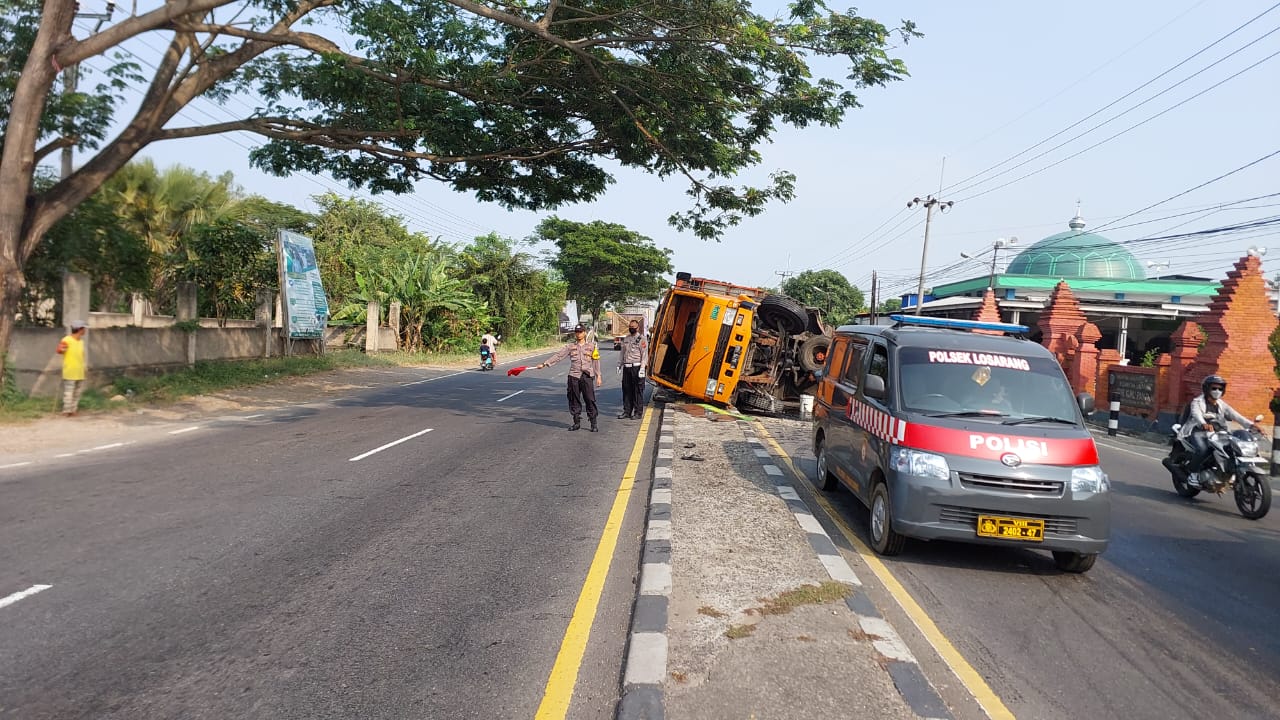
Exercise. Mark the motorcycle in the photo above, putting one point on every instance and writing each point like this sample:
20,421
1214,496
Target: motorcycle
1233,464
486,358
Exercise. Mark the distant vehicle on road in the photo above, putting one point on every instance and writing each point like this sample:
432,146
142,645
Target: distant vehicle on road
948,434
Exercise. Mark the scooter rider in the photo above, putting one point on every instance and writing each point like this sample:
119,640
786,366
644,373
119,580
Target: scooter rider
1197,428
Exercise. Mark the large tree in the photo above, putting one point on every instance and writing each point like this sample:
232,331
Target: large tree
524,104
829,290
605,262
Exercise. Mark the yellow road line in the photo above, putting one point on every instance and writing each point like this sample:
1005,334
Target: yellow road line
564,674
973,681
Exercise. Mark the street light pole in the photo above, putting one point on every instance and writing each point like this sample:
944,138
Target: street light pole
995,254
929,204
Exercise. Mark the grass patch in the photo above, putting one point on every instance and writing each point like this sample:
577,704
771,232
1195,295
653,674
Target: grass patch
213,376
208,377
828,591
711,612
737,632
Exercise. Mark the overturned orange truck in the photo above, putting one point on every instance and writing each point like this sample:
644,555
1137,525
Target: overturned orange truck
736,346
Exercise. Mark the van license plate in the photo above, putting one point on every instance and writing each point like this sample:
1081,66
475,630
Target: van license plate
1011,528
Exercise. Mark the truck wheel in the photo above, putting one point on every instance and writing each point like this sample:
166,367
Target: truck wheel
809,349
781,310
884,540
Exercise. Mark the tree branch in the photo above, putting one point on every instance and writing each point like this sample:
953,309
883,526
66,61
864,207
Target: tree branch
54,145
73,51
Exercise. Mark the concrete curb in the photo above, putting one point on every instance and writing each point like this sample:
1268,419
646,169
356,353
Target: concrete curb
901,665
645,667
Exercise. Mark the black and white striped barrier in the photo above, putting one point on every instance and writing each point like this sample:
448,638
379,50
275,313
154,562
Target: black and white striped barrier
1275,445
1113,419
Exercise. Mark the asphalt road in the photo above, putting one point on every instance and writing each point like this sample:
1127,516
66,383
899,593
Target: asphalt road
1180,618
252,569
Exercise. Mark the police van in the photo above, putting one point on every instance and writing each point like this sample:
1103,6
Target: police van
959,430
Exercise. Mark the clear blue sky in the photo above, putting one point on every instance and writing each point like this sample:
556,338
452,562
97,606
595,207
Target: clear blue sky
988,80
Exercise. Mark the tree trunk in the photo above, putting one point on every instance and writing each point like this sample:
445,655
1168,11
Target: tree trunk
11,282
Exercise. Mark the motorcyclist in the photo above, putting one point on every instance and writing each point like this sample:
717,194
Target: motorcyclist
1197,428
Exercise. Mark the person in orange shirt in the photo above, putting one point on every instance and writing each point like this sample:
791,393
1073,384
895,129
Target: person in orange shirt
73,368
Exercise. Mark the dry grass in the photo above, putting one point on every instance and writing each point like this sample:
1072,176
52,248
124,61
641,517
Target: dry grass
711,612
737,632
806,638
679,677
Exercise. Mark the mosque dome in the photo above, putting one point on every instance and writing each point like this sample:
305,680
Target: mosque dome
1077,254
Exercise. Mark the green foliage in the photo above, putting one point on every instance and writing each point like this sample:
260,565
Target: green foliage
524,298
267,216
437,309
84,116
605,262
351,235
90,240
229,262
892,305
187,326
829,290
1149,358
1273,344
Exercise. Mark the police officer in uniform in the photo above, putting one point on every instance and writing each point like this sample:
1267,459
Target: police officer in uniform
631,361
584,366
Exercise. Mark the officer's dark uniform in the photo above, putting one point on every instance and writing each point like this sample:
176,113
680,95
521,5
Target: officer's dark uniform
584,368
631,360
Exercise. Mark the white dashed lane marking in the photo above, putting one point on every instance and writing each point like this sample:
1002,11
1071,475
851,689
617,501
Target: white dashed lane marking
391,444
11,599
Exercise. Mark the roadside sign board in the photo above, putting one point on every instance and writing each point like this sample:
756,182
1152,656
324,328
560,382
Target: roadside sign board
306,310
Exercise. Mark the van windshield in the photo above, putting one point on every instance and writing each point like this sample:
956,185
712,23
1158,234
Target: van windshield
982,384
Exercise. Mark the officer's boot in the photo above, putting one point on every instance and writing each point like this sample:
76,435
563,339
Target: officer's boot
576,423
594,427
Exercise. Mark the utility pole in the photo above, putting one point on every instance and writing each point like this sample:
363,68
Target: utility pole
71,81
874,299
929,204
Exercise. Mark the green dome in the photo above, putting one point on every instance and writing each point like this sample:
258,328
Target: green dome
1077,254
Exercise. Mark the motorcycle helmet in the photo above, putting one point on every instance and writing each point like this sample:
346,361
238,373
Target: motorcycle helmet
1213,380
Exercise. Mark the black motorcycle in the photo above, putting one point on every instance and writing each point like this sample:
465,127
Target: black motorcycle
486,358
1234,464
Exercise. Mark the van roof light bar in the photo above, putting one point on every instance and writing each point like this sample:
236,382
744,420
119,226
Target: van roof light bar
951,324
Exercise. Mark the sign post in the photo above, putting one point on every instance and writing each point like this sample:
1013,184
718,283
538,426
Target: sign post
306,310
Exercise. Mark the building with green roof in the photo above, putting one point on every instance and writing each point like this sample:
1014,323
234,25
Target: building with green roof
1134,313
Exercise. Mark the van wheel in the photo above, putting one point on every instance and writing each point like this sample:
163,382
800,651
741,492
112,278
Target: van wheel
826,480
883,538
1074,562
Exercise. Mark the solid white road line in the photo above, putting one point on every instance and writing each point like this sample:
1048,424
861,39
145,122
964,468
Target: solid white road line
106,447
25,593
184,430
390,445
510,396
250,417
14,465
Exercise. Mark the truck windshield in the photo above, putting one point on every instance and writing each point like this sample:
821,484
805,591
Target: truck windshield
961,383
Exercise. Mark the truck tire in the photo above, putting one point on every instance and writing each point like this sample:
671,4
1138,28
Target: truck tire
809,349
781,310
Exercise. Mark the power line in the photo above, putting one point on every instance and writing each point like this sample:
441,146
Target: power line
1111,104
1122,132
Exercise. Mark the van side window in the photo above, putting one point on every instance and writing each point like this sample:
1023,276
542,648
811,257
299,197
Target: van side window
880,365
857,346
